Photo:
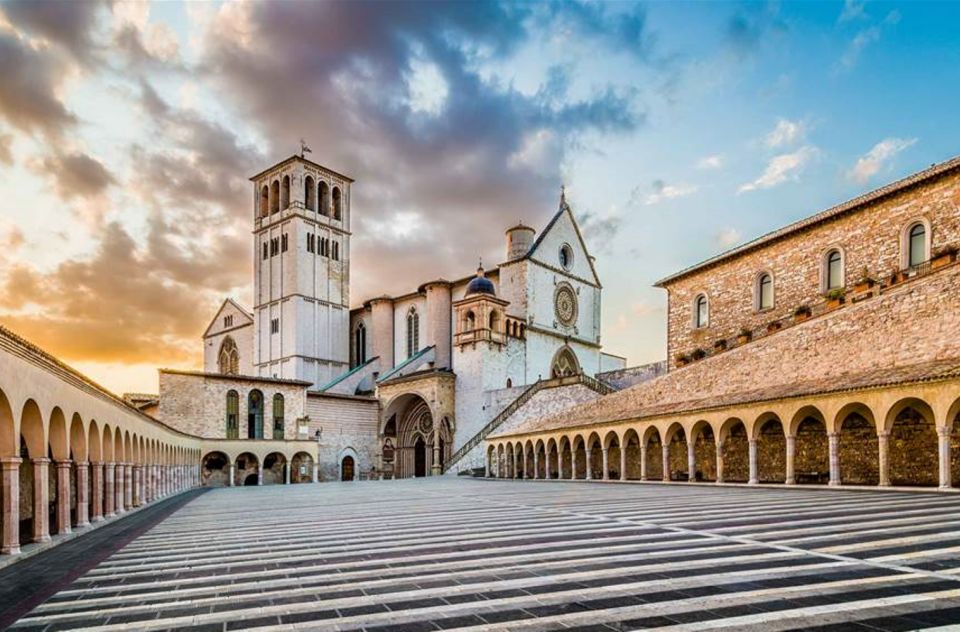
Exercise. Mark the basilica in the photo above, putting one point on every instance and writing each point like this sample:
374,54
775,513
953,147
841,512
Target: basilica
397,385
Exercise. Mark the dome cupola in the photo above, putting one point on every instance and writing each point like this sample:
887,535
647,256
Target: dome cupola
480,284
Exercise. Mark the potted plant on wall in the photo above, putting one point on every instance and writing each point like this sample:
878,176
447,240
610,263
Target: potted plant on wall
835,297
720,345
773,326
866,281
682,359
943,257
698,354
802,313
744,336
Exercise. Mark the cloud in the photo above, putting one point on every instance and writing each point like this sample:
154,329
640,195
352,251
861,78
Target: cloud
864,39
31,78
728,237
785,133
663,192
782,168
852,10
599,232
711,162
6,149
747,30
877,158
65,23
76,174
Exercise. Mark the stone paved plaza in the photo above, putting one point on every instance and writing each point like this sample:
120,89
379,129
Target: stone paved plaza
434,554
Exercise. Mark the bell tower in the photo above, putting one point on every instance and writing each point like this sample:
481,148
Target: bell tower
301,229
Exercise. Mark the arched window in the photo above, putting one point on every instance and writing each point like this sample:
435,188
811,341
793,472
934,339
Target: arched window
833,270
285,193
917,245
413,332
309,194
278,416
764,292
701,311
337,204
275,196
255,415
336,251
233,415
228,360
471,322
264,201
494,320
565,363
509,383
360,344
324,198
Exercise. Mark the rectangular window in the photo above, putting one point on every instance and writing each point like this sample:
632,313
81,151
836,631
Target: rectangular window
275,326
278,428
265,250
283,243
310,247
228,321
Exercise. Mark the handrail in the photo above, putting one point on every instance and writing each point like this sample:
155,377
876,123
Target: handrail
581,378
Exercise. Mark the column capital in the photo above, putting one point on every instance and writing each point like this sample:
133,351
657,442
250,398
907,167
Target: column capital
82,463
63,463
41,460
833,435
943,431
883,434
11,462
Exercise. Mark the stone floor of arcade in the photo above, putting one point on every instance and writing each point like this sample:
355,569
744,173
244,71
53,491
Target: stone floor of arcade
455,553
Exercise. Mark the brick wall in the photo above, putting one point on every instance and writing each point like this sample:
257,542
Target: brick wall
349,427
869,238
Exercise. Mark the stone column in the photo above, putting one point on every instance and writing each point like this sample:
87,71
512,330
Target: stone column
118,484
834,442
666,461
486,467
643,463
11,504
127,486
546,466
623,463
719,462
83,494
605,460
435,469
137,479
589,466
96,485
573,464
691,461
523,464
41,499
259,473
287,474
63,496
316,467
943,445
883,444
230,482
536,464
791,460
108,493
752,447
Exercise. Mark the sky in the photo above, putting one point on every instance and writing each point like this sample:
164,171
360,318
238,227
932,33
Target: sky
128,132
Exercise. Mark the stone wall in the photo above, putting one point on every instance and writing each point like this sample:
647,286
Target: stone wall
871,238
197,404
631,375
349,428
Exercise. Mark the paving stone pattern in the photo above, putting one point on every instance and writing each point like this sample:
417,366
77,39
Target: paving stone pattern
443,553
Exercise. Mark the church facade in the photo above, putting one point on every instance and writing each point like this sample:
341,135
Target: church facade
395,385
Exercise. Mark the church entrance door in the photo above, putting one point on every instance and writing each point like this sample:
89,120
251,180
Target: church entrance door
420,458
346,469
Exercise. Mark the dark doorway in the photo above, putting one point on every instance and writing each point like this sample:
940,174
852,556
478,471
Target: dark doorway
250,480
346,469
420,458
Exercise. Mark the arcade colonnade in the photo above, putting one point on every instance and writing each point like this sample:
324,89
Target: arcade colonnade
71,453
902,435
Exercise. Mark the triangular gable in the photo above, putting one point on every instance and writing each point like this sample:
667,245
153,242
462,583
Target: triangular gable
563,217
247,316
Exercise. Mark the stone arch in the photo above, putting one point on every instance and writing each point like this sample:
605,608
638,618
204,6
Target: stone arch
337,204
59,445
309,193
285,193
677,452
735,448
106,439
653,446
32,431
323,193
275,196
593,446
228,358
540,459
215,469
415,429
301,468
771,448
912,444
704,451
552,454
811,462
611,441
274,469
78,439
631,451
9,442
564,456
564,363
579,457
858,445
246,469
264,201
348,465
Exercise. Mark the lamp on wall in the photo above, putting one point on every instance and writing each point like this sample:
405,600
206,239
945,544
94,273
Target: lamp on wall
318,434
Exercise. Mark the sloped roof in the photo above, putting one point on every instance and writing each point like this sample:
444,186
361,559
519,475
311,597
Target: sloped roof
849,206
216,315
562,209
